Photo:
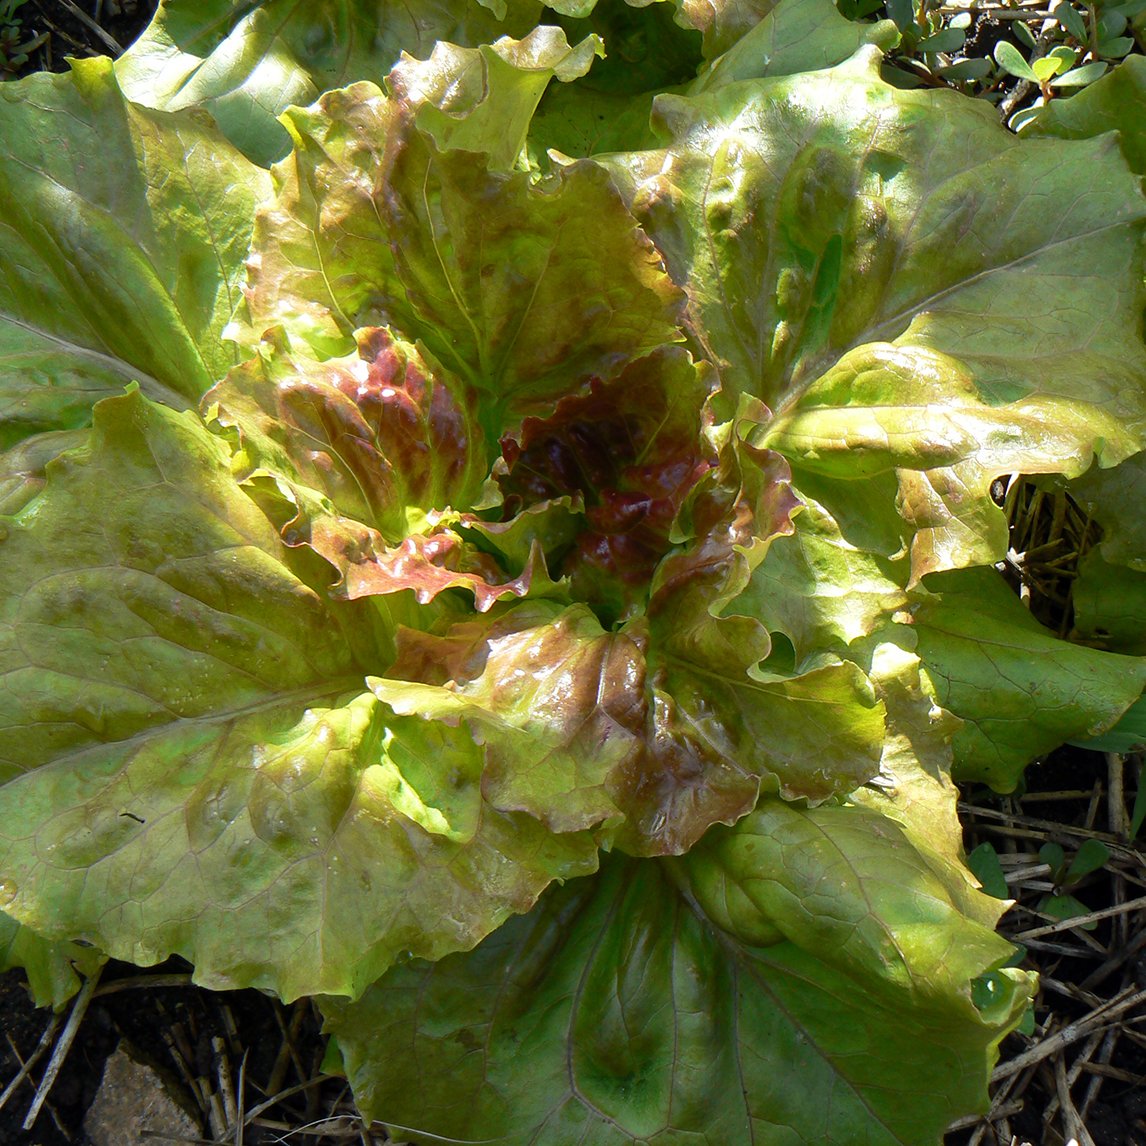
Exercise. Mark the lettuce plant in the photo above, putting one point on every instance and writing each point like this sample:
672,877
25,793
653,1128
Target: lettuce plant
520,567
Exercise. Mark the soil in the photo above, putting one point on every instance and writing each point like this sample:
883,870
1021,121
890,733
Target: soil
58,29
223,1054
1092,976
242,1057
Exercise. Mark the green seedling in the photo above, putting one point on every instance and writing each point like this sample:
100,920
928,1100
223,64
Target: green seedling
984,863
15,49
1092,856
1138,815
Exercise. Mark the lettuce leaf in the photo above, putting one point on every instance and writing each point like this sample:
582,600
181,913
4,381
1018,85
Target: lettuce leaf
1020,691
841,265
564,285
193,762
122,250
247,64
698,1002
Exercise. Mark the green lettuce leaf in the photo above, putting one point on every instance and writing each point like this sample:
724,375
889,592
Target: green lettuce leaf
1018,689
483,99
649,49
1109,594
121,249
192,761
821,589
882,242
1113,498
717,998
835,257
724,22
53,969
247,64
23,467
1109,602
917,413
794,36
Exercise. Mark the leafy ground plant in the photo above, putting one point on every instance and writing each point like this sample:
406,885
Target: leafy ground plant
520,567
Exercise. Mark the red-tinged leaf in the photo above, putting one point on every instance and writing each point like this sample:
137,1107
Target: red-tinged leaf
731,519
631,450
574,731
524,290
382,434
556,706
429,564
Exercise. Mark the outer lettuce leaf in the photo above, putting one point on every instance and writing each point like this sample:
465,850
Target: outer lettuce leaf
826,241
874,235
795,36
917,413
1114,498
23,467
648,51
483,99
522,291
121,249
1019,690
1109,595
192,761
173,584
1109,605
642,1017
51,968
1112,103
819,880
915,787
247,64
723,22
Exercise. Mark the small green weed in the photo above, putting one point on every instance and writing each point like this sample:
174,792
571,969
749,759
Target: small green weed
16,45
1052,50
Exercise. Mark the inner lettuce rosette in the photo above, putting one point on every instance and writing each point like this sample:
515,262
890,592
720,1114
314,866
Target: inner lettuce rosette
553,641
